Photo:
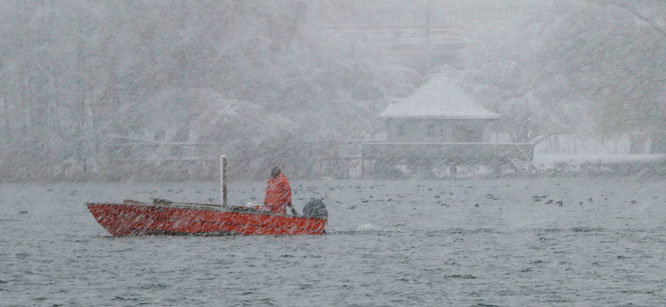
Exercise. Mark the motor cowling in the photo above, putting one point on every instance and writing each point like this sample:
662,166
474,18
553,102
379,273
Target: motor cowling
315,208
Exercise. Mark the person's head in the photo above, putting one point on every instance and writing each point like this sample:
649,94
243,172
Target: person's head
275,171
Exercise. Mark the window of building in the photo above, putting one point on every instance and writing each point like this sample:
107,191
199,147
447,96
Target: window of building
468,134
430,130
401,131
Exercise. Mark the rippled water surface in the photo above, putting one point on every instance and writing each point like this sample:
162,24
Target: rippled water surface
466,242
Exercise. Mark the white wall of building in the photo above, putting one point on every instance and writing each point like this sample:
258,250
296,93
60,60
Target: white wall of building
419,130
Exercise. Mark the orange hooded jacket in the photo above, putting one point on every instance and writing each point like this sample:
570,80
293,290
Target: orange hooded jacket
278,194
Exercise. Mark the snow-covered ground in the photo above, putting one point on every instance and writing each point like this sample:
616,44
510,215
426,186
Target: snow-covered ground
650,165
552,159
557,241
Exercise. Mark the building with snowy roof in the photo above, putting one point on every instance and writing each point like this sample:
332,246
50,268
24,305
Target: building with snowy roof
438,112
439,125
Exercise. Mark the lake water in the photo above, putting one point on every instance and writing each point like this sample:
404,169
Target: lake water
459,242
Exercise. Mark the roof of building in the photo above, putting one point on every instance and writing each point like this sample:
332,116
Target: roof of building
438,98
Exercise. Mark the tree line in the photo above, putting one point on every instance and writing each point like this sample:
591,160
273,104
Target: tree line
262,82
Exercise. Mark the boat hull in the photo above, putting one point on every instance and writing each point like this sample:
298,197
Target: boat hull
150,219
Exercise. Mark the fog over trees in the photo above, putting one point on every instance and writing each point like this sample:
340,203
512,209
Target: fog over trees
269,82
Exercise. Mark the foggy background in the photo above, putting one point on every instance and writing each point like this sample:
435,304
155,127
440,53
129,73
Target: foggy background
554,197
156,90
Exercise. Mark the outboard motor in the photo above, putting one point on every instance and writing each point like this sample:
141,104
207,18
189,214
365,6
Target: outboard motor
315,208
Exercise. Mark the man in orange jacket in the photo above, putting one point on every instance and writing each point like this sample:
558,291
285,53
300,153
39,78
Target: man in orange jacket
278,193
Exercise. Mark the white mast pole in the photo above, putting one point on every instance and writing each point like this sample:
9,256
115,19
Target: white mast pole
223,180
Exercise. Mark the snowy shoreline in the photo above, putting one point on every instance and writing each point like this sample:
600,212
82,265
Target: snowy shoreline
653,165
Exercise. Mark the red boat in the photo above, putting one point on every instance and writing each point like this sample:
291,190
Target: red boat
163,217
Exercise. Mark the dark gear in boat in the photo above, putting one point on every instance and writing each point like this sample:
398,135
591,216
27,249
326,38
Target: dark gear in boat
315,208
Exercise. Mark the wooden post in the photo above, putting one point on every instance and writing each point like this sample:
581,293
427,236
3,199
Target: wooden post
223,180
